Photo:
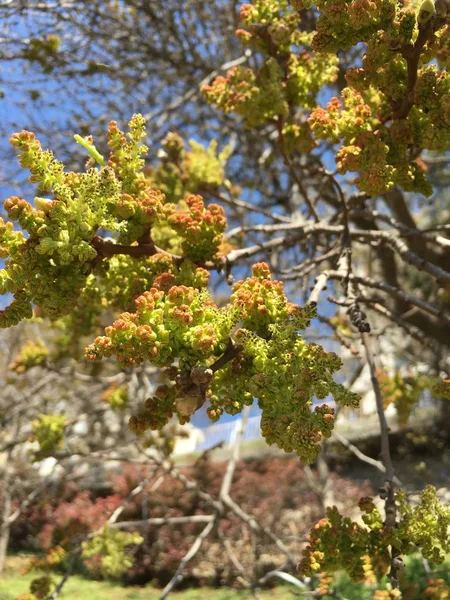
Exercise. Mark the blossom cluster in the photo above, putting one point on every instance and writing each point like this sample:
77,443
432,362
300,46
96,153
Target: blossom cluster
403,110
43,51
338,542
189,169
437,589
341,25
402,391
116,396
200,228
41,586
126,278
181,322
290,77
396,103
266,359
52,263
30,355
48,432
54,260
284,373
106,552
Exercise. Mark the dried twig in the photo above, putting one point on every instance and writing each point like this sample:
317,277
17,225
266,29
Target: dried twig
363,457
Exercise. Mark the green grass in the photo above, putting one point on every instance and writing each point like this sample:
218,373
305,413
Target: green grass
13,584
77,588
80,589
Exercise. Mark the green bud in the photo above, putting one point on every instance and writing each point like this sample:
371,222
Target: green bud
42,204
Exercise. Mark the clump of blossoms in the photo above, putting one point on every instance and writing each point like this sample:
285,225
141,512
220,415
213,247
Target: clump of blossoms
200,228
257,98
126,277
266,359
188,169
343,24
437,589
393,594
396,103
181,322
406,96
106,553
30,355
48,432
338,542
290,77
59,255
40,587
43,51
116,396
52,263
402,391
284,373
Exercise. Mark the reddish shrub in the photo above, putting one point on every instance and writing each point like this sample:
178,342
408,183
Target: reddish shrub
274,490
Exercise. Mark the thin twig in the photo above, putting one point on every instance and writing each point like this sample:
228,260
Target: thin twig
162,521
363,457
188,556
384,427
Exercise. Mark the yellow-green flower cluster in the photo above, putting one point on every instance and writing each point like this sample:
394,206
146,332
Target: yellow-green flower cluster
402,391
110,547
290,76
48,432
51,265
308,72
344,24
116,396
187,170
59,262
425,526
386,111
267,359
157,411
43,51
270,26
348,119
41,586
30,355
199,227
405,110
258,97
204,166
182,323
10,240
284,373
437,589
338,542
377,152
139,204
261,301
126,277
